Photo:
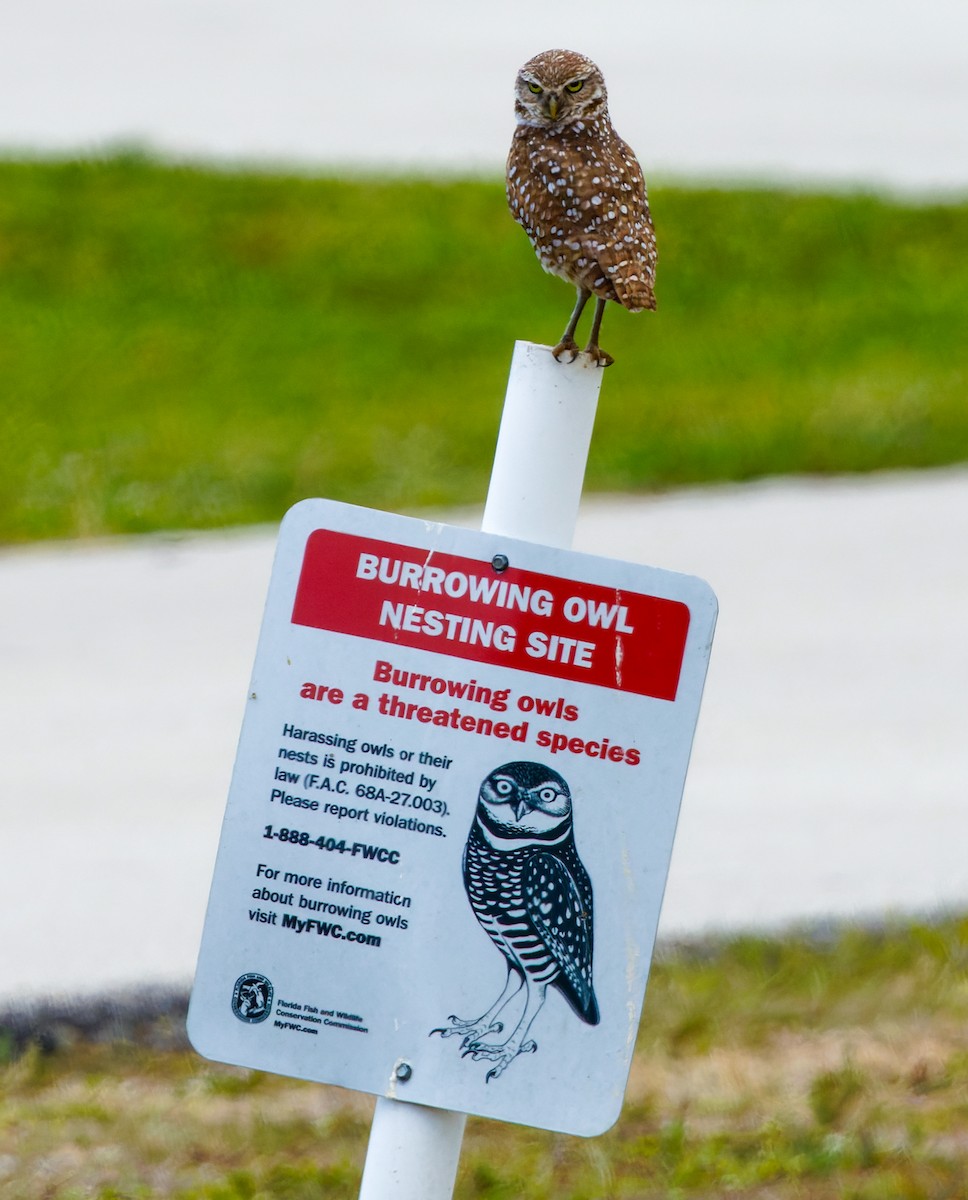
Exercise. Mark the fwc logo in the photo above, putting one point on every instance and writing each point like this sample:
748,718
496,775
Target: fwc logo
252,998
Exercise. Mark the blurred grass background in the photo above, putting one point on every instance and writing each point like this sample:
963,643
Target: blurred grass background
184,347
809,1068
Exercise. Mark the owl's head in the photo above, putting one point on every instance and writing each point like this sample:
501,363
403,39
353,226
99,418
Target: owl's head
525,798
559,87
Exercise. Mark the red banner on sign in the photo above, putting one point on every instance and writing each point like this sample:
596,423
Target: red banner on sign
409,596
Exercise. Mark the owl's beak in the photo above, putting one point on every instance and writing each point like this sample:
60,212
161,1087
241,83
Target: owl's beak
521,808
553,106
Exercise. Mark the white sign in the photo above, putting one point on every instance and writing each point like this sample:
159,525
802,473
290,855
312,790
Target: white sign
451,817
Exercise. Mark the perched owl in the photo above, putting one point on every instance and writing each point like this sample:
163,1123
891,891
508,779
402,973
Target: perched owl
532,895
577,190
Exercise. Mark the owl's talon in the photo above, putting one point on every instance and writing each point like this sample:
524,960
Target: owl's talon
456,1026
478,1050
566,346
598,355
483,1050
471,1030
501,1056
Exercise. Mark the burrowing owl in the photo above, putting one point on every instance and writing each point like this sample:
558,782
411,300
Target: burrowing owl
578,191
532,895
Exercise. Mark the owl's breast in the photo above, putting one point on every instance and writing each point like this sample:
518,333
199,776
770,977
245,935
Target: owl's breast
580,197
493,877
540,184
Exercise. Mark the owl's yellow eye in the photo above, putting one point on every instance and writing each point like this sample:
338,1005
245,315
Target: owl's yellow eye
575,86
535,88
503,787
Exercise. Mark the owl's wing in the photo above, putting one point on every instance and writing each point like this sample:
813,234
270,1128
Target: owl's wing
620,241
560,908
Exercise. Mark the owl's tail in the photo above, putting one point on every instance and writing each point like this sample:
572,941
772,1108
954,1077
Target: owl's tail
580,995
622,283
635,294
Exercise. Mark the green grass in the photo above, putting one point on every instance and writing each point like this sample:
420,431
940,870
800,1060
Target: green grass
185,348
766,1069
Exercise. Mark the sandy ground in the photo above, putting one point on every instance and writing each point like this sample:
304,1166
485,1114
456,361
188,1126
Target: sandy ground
828,779
867,91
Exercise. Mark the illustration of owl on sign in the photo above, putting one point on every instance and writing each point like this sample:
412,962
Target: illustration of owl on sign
531,894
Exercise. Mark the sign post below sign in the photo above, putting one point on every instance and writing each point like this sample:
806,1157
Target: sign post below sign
534,494
453,806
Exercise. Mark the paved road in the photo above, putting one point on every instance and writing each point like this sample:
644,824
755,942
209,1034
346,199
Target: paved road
829,774
859,92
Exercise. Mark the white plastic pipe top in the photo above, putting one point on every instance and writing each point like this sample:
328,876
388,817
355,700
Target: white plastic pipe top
542,447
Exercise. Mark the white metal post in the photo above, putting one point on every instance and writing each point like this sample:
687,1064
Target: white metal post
535,489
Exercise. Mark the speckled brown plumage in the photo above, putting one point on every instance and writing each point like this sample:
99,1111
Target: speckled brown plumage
577,190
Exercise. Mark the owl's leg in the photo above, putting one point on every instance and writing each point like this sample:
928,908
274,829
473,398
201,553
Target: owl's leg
598,354
486,1023
504,1053
568,345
